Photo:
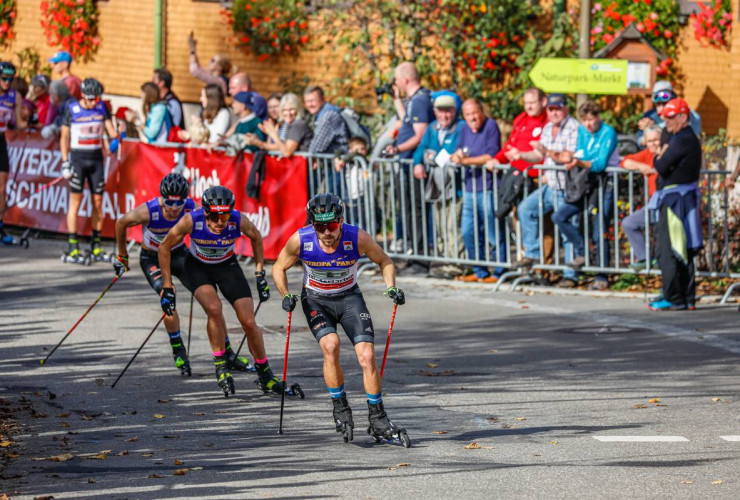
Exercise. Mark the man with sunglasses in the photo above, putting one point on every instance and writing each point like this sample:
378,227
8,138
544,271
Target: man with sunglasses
157,217
210,266
329,250
662,93
10,107
81,143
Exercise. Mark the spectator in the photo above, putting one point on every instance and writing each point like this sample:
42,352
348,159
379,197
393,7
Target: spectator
662,93
28,108
162,78
293,134
248,124
416,113
241,82
354,176
125,127
443,182
730,179
59,95
596,150
558,142
527,127
679,229
218,70
46,111
273,108
215,115
634,224
478,143
61,62
156,128
330,133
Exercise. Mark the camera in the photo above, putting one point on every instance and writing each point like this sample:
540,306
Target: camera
386,88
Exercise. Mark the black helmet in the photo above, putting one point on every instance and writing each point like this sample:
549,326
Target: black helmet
174,185
7,68
91,88
324,207
217,199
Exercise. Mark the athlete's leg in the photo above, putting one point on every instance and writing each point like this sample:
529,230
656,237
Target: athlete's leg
97,212
333,375
216,327
244,308
75,200
370,376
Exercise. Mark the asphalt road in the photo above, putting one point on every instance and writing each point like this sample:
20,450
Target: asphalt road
563,396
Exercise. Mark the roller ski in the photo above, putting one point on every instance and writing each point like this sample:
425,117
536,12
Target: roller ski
343,418
9,240
74,256
268,382
97,253
181,360
381,428
239,363
223,377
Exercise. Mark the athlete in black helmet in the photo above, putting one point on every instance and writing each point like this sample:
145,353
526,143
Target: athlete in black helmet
10,107
210,266
157,217
329,250
81,145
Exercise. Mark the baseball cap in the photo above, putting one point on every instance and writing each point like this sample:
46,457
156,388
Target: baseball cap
557,100
40,81
61,56
662,85
121,113
246,98
675,107
445,101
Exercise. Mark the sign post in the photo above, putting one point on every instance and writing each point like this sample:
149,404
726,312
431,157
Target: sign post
580,76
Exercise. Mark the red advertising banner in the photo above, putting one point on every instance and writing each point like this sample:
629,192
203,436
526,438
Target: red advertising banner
38,199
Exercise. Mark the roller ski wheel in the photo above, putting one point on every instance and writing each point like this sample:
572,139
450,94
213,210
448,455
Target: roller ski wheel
224,379
239,363
77,258
382,429
182,362
99,255
13,241
343,418
276,387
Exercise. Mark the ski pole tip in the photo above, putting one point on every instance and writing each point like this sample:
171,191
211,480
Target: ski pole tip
280,431
41,362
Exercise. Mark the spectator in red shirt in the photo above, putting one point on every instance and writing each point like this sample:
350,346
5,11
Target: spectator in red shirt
62,60
45,110
527,128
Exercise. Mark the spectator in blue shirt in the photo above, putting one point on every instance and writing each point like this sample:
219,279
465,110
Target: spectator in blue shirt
596,149
480,140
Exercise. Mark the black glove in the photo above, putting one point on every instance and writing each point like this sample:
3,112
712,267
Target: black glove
396,295
168,301
262,289
289,302
120,265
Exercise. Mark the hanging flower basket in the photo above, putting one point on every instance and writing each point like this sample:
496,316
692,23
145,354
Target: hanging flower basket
8,13
713,23
73,25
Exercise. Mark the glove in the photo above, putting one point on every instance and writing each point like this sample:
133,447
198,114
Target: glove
120,265
168,301
67,172
289,302
114,143
396,295
262,289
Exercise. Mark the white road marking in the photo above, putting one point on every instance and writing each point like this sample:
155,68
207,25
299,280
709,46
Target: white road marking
640,439
731,438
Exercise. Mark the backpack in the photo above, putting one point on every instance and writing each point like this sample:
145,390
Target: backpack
511,191
356,129
579,182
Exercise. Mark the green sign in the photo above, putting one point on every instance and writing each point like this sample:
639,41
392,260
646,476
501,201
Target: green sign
580,76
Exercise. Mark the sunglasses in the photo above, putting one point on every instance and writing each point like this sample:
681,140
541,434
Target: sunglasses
215,217
331,226
662,97
174,203
7,78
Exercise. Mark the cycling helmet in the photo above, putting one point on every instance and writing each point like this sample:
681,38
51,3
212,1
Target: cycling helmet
7,69
217,199
324,207
174,186
91,88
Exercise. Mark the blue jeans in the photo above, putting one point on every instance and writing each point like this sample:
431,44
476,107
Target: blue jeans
474,207
529,216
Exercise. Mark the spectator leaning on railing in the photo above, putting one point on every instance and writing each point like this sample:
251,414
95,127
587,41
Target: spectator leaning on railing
679,228
218,70
596,150
241,82
156,127
292,134
46,111
273,108
479,141
59,95
662,93
557,144
245,133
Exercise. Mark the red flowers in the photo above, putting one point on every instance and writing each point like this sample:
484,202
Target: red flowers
713,23
268,27
7,20
73,24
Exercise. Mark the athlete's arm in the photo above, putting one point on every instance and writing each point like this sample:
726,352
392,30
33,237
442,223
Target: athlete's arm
111,129
18,119
369,247
173,238
250,231
64,142
139,215
287,258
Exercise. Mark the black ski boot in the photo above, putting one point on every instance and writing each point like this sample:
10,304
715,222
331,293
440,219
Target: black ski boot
343,418
382,428
223,376
239,363
268,382
181,359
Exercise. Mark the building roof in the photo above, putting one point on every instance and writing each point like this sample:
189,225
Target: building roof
629,33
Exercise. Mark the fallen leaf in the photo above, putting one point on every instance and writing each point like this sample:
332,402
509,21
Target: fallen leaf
5,444
133,439
472,446
432,365
639,406
63,415
122,453
553,442
439,432
687,482
85,417
181,472
717,482
200,413
163,401
64,424
62,458
179,462
99,456
13,455
403,464
391,468
158,415
716,400
521,418
154,476
91,480
654,400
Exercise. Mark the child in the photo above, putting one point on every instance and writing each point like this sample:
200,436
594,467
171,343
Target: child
356,181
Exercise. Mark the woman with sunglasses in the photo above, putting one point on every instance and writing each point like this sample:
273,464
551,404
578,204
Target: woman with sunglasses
662,93
329,250
10,108
210,266
157,217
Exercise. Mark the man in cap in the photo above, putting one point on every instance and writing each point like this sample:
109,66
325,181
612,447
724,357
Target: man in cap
662,93
61,61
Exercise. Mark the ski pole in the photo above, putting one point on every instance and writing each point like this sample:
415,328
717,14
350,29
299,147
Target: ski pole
137,352
285,371
245,335
50,183
190,322
388,340
80,320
